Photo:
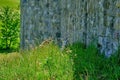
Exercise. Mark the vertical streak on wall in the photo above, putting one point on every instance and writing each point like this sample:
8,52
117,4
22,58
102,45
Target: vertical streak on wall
54,20
105,5
112,21
22,3
64,20
117,22
85,22
22,28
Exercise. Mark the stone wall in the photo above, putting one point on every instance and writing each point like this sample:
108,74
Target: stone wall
68,21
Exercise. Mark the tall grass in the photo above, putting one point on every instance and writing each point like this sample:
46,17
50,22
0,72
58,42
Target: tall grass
89,64
48,62
45,63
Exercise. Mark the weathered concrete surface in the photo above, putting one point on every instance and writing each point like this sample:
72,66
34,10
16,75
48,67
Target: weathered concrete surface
68,21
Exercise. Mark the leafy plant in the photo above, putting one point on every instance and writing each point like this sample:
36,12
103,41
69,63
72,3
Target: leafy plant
9,27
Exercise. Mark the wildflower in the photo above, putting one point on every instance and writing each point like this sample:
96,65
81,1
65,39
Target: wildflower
68,51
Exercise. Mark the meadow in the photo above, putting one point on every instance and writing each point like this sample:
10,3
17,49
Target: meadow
49,62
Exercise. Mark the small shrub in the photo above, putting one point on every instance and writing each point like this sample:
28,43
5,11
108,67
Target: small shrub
9,28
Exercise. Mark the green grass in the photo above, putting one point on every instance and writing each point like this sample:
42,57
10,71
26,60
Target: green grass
90,65
50,63
10,3
45,63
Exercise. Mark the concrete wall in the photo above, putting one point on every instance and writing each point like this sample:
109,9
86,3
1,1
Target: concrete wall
96,21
